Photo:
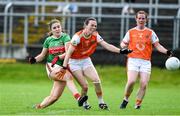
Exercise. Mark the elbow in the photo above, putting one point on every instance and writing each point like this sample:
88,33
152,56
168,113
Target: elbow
122,45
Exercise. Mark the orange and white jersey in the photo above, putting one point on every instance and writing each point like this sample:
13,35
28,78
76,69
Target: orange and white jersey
84,47
140,41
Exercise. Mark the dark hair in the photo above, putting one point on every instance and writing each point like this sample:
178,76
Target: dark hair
86,22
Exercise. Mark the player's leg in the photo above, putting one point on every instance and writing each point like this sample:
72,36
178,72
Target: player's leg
76,70
145,71
72,87
132,77
92,74
82,81
144,79
56,92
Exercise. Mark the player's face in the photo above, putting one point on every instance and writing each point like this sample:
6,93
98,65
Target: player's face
92,26
141,19
56,29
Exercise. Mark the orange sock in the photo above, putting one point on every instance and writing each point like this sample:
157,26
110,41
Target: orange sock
77,96
138,102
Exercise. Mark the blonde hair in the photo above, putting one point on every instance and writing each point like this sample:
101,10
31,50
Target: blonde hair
52,22
50,25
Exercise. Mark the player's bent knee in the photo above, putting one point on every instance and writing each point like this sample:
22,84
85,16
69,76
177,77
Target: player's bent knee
97,81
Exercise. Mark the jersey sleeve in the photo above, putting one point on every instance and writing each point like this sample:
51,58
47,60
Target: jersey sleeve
67,38
154,38
75,40
46,43
99,38
126,38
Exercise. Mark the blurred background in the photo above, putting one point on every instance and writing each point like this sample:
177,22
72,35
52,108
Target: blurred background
23,25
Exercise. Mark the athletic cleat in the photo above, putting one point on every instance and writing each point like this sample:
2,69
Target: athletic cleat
123,104
103,106
87,107
82,100
137,107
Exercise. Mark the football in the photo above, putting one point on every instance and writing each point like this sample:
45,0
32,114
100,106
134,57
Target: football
172,63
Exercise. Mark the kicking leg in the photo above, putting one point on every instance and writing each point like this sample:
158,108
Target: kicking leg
56,92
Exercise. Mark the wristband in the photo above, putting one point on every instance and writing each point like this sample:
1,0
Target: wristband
64,67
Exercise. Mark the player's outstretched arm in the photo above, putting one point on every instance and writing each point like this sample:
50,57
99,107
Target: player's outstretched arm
161,49
39,57
115,49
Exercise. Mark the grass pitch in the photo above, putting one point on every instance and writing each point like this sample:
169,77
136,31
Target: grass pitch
22,85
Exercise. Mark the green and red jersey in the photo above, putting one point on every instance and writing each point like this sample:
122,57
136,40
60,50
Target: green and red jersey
56,46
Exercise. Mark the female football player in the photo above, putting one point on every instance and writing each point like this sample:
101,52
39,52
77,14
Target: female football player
141,40
54,48
83,44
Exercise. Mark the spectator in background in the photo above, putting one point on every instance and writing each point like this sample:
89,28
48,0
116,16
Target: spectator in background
54,49
68,9
127,9
141,40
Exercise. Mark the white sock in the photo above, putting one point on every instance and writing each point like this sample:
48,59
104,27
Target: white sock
100,99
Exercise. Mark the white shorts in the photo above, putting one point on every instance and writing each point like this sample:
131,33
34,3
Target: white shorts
80,64
139,65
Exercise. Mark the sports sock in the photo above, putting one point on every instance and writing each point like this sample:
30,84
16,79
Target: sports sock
77,96
98,90
100,99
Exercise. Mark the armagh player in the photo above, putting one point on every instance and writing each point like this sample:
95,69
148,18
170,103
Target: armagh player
83,44
141,40
54,48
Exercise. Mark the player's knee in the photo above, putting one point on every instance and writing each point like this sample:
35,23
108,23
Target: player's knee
96,81
143,86
131,83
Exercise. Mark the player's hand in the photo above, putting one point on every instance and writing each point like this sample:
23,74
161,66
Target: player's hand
169,53
61,73
54,61
125,51
32,60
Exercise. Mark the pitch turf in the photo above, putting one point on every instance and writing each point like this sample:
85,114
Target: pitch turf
22,85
